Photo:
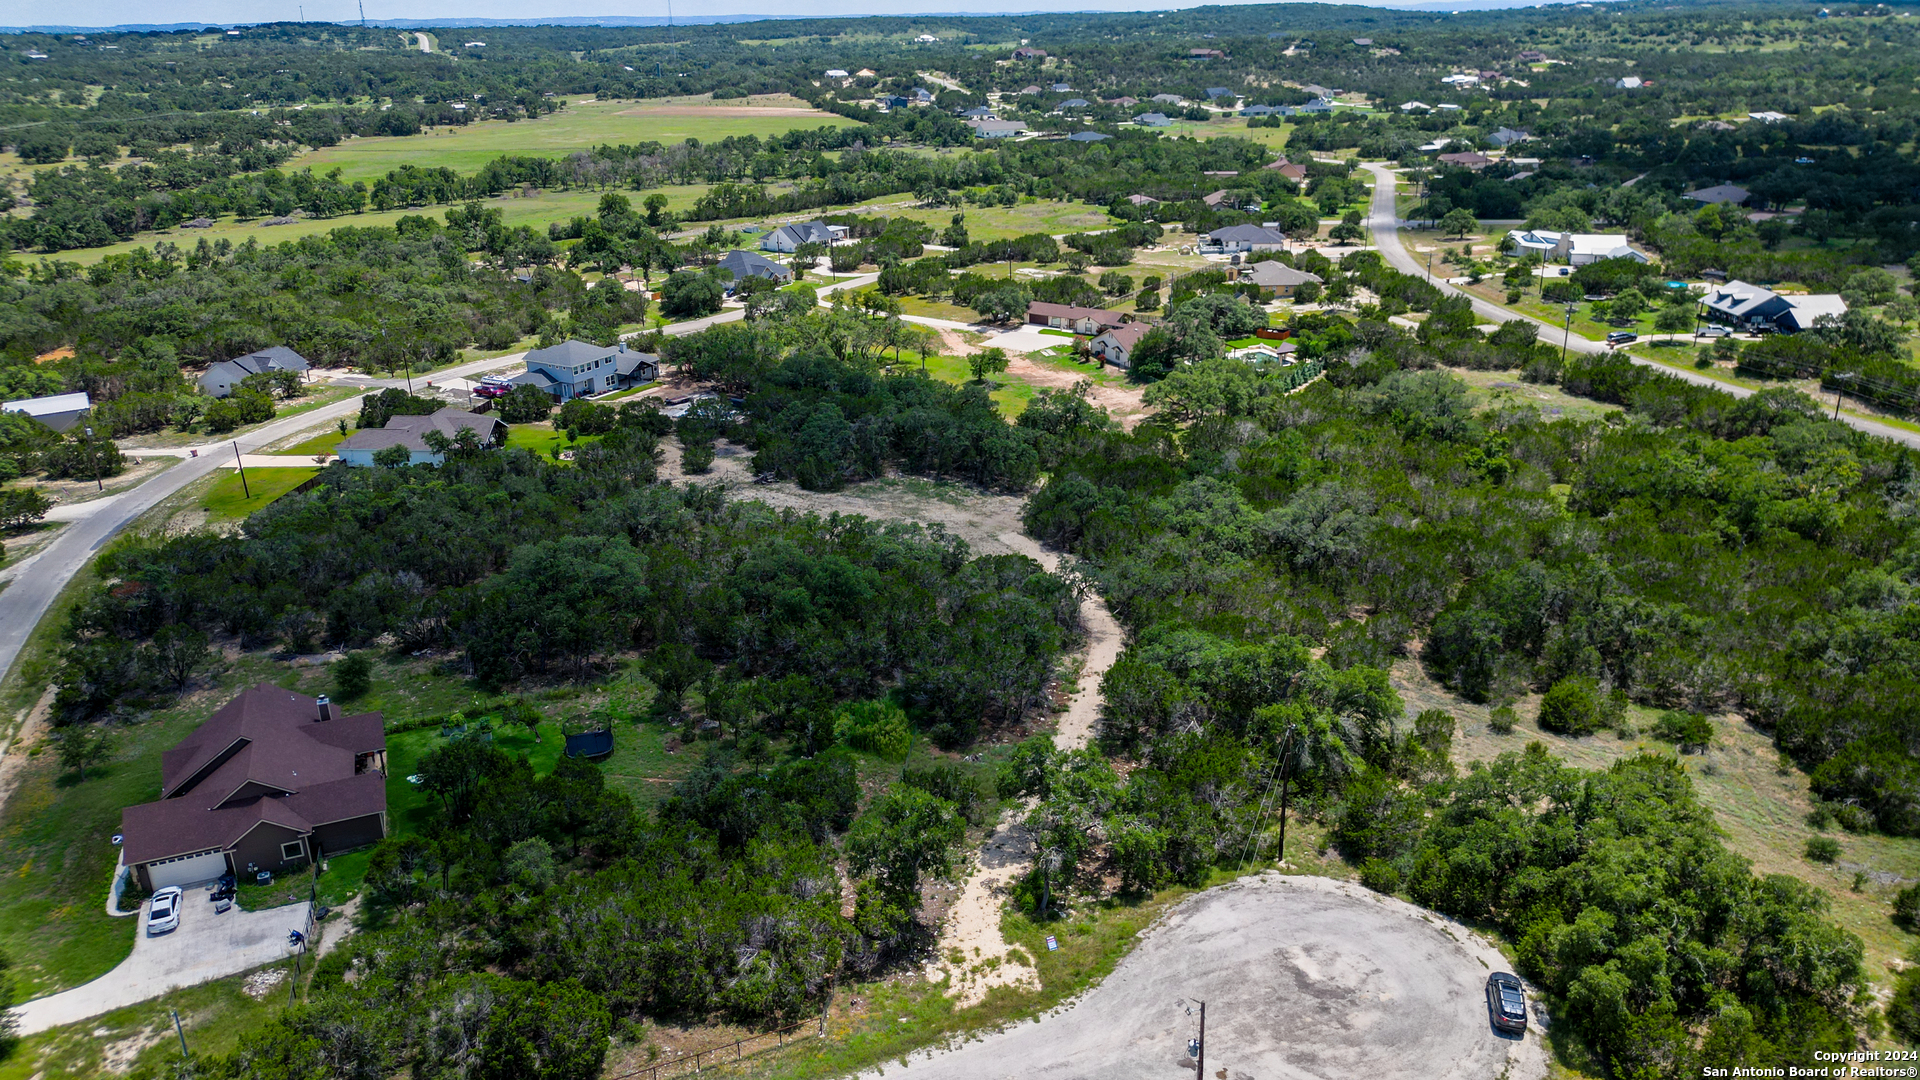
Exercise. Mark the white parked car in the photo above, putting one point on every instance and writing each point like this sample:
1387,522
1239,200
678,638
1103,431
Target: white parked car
163,913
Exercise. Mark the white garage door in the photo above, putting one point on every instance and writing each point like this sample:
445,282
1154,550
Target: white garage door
188,869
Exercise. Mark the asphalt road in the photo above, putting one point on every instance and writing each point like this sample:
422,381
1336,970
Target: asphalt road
1385,223
38,580
1303,978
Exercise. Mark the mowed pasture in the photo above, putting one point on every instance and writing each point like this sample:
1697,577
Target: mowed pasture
582,125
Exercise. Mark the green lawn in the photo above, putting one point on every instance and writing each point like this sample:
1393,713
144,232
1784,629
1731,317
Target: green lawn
319,444
232,498
580,126
542,439
1011,394
1051,216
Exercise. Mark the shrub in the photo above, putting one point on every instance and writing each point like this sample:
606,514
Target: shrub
1903,1012
1380,875
352,676
1502,720
877,727
1823,849
1689,732
697,458
1906,906
1820,817
1572,707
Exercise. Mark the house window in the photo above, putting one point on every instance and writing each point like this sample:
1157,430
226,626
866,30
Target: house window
291,851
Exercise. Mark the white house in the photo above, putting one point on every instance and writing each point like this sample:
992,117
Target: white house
59,411
1577,249
1116,345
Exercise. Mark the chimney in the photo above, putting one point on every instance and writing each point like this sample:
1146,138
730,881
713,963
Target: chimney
326,708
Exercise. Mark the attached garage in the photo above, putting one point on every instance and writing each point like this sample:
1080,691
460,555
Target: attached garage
186,869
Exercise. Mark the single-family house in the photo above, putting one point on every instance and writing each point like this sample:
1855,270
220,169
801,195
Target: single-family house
272,781
1414,106
1072,103
1259,110
1215,198
1152,119
1505,136
1122,101
1274,278
1031,90
1317,105
745,264
1170,99
1471,159
574,369
1321,91
58,411
837,73
1116,346
997,129
1461,79
1248,238
1531,56
223,375
359,448
865,73
1719,193
1142,200
1752,306
1363,42
1088,136
1768,117
1292,170
1080,320
1631,82
1214,92
1576,249
926,39
978,112
1062,88
1205,54
786,238
1029,53
893,101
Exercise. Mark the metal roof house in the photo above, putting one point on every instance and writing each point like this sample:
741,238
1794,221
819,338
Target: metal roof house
58,411
574,369
1576,249
1152,119
222,376
359,448
997,129
1088,136
271,781
1719,193
1750,306
1275,278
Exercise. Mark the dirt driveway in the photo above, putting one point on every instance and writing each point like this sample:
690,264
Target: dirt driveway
1304,977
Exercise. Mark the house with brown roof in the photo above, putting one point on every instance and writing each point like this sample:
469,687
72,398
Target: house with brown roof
272,781
1292,170
1116,345
1274,277
1471,159
1080,320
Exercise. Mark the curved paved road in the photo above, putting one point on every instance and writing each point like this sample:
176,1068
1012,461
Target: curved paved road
1304,977
1385,223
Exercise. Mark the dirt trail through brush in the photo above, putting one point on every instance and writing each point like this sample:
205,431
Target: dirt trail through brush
13,754
972,953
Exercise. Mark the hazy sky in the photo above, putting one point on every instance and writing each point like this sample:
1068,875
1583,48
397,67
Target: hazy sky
112,12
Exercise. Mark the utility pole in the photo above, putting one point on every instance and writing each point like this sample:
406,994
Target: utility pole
241,463
1201,1072
180,1031
1566,334
93,451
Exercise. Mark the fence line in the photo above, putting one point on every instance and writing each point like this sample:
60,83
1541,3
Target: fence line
782,1037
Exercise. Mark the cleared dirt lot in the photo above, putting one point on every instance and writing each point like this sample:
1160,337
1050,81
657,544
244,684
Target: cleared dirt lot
1303,977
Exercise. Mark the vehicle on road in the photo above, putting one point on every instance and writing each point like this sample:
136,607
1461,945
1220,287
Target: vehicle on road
1714,331
163,912
1506,1002
1622,337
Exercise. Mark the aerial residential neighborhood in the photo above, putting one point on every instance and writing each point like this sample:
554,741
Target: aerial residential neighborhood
1216,542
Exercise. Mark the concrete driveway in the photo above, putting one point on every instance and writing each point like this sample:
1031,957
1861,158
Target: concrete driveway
206,946
1303,977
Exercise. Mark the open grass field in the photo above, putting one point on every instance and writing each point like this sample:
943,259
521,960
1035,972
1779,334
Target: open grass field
232,500
1051,216
581,125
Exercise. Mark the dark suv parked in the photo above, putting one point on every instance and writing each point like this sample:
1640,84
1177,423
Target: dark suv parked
1507,1002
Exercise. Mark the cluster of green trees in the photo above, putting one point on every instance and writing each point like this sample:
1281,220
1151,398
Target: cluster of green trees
1710,554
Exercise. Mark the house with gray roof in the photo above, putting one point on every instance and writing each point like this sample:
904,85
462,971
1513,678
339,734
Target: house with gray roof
1505,136
1088,136
1275,278
786,238
359,448
1248,238
1719,193
57,411
223,375
997,129
745,264
574,369
1218,92
1751,306
1152,119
